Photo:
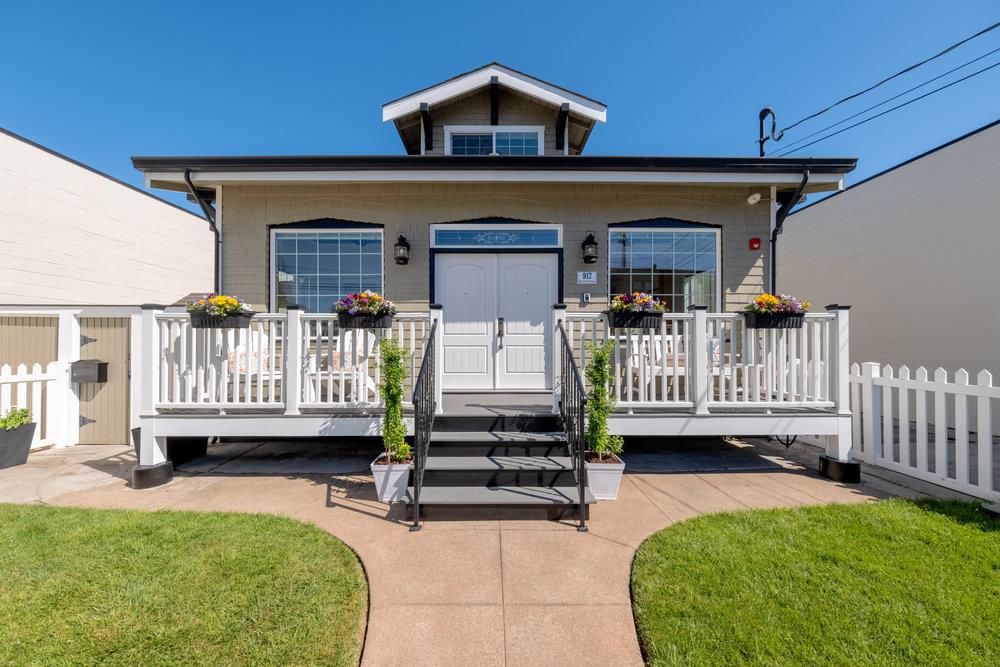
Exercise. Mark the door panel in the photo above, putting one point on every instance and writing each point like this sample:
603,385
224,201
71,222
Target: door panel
528,286
467,288
104,407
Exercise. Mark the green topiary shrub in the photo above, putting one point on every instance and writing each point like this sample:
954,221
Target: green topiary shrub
14,418
600,404
391,391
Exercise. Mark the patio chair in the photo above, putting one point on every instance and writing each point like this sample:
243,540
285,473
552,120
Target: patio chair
353,353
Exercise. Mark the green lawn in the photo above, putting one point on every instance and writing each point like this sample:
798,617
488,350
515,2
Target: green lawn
98,586
883,583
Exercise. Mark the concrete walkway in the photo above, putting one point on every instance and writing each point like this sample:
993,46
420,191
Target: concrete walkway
475,587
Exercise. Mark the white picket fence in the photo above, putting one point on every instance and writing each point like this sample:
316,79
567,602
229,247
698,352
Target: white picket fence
935,429
38,390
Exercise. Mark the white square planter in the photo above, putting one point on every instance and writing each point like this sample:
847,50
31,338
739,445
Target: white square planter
604,479
390,480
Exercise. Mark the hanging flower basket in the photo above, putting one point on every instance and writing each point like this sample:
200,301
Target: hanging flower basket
774,320
770,311
364,321
635,311
218,311
365,310
204,320
621,319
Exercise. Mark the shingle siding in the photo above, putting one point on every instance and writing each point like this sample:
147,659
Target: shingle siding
409,209
474,109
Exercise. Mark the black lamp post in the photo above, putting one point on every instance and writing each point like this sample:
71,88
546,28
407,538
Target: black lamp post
401,251
589,246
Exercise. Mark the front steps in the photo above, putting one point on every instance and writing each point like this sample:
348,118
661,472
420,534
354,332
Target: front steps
515,460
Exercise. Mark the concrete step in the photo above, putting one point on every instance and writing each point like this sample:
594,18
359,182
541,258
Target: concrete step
498,422
507,496
498,437
498,463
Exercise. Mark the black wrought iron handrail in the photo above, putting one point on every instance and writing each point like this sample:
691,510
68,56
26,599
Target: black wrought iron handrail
424,409
572,408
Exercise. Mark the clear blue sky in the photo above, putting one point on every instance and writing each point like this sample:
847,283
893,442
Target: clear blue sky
102,82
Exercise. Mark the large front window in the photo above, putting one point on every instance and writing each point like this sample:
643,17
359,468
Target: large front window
680,266
315,268
494,140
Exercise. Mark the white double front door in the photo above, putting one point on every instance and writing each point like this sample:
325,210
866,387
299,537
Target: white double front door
497,319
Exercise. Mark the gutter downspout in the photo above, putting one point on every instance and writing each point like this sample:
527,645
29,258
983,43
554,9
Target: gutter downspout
210,217
779,220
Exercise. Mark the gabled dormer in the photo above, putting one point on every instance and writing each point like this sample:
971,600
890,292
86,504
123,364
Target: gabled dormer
494,110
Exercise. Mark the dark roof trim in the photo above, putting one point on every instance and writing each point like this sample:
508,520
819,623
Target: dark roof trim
327,223
663,223
482,67
77,163
900,165
493,162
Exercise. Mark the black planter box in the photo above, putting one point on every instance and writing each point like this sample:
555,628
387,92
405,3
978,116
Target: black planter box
638,320
15,445
774,320
360,321
201,319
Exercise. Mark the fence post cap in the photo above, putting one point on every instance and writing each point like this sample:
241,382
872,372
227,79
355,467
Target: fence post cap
295,306
559,306
694,308
837,306
152,306
436,306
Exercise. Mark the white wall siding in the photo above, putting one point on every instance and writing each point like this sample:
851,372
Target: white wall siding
915,251
72,236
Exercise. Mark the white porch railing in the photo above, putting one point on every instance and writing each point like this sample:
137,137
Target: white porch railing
40,390
708,361
283,362
902,423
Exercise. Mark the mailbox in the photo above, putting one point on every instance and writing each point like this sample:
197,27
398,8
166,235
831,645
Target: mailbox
89,370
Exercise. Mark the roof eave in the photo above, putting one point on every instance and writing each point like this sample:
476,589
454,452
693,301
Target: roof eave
480,77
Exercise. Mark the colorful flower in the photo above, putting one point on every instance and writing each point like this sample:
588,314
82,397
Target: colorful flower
219,304
637,302
781,303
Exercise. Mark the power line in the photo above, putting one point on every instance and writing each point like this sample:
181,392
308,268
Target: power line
791,146
890,78
898,106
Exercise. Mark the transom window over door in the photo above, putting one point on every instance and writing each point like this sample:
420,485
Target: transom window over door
679,265
314,268
490,140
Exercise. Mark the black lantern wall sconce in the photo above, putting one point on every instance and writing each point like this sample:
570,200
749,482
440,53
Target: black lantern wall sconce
401,251
589,247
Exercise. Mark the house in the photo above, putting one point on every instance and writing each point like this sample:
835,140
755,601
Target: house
500,240
78,242
924,232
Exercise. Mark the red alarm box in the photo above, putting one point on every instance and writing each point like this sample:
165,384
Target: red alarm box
755,243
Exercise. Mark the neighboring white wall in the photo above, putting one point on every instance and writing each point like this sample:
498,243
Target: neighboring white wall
69,235
916,252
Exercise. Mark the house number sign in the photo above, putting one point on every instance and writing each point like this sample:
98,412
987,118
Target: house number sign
586,277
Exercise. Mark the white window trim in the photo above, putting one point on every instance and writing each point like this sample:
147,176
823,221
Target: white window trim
496,226
272,264
493,129
666,227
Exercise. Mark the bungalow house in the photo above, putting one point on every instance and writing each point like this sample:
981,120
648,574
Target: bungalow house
501,242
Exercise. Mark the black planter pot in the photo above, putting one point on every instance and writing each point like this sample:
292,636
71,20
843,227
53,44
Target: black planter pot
15,445
361,321
628,320
774,320
204,320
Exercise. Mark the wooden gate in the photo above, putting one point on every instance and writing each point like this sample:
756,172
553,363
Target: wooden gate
104,407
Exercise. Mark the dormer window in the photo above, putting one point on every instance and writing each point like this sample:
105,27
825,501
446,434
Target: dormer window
494,140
